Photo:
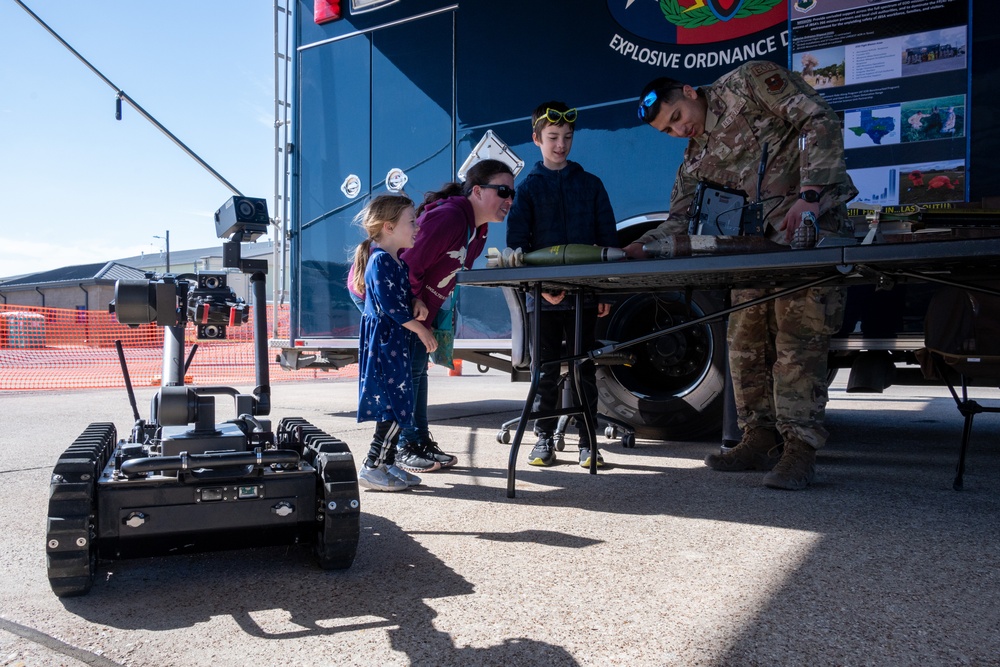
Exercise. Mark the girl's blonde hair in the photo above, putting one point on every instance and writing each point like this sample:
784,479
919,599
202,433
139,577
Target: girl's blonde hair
372,218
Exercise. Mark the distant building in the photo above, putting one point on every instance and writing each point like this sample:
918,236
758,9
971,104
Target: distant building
92,286
83,287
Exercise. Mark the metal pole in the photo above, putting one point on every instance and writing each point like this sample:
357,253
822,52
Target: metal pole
263,390
167,240
172,374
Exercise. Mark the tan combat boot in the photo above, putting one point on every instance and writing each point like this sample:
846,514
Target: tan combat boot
796,469
758,450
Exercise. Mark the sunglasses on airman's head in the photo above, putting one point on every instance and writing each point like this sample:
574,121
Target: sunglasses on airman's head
556,116
650,104
648,107
503,191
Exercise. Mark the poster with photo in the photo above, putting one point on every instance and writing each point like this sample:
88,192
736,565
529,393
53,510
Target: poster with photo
897,72
931,182
934,118
878,126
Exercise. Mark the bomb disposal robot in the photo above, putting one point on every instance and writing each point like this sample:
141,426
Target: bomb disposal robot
183,482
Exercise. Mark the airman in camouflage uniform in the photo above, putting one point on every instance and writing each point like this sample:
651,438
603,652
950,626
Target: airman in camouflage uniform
778,349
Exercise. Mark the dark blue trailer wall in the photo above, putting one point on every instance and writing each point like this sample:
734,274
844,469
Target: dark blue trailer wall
410,87
414,85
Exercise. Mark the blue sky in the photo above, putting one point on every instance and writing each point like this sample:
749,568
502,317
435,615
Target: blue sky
79,186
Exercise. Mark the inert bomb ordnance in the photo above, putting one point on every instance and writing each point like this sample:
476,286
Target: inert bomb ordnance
686,245
182,482
557,255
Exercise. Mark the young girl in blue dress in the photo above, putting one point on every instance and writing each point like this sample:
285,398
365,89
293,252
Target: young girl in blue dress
391,317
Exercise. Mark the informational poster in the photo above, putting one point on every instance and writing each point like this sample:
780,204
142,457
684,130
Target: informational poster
897,71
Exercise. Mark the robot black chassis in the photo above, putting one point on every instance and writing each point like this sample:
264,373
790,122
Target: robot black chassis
182,482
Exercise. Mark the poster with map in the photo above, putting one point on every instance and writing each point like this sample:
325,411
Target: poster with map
897,73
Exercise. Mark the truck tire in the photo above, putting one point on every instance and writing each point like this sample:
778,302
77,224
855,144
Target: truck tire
674,390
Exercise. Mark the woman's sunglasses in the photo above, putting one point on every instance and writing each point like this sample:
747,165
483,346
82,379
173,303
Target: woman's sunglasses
555,116
503,191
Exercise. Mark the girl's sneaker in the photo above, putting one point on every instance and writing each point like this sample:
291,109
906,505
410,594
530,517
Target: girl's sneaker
410,480
434,453
410,457
380,479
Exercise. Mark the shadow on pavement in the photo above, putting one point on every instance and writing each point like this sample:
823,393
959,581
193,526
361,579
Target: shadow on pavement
896,567
278,593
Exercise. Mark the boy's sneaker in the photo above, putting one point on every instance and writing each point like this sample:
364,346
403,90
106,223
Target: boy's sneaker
412,459
380,479
543,453
585,458
434,453
396,471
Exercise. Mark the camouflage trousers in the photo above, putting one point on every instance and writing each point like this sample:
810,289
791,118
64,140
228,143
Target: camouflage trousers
778,360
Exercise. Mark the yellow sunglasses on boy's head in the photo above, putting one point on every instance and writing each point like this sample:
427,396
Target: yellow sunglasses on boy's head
555,116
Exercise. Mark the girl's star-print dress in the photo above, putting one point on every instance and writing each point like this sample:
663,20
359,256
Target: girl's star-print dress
384,391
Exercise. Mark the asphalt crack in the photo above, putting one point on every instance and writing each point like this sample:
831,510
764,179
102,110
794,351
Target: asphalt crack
53,644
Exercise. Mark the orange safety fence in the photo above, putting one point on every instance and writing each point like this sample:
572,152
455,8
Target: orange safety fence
53,348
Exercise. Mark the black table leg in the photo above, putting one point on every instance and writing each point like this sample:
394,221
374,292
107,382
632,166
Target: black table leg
536,369
527,414
589,418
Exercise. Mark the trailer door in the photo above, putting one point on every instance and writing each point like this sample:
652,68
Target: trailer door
369,103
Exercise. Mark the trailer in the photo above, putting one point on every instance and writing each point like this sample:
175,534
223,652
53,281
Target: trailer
391,95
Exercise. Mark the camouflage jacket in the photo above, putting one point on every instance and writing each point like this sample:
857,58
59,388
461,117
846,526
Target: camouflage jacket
757,103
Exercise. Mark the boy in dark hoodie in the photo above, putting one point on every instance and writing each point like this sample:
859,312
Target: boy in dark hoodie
559,203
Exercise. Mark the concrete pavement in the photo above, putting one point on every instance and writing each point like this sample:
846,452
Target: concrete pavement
657,560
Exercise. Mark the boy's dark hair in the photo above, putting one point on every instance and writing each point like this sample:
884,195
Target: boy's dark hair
539,117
